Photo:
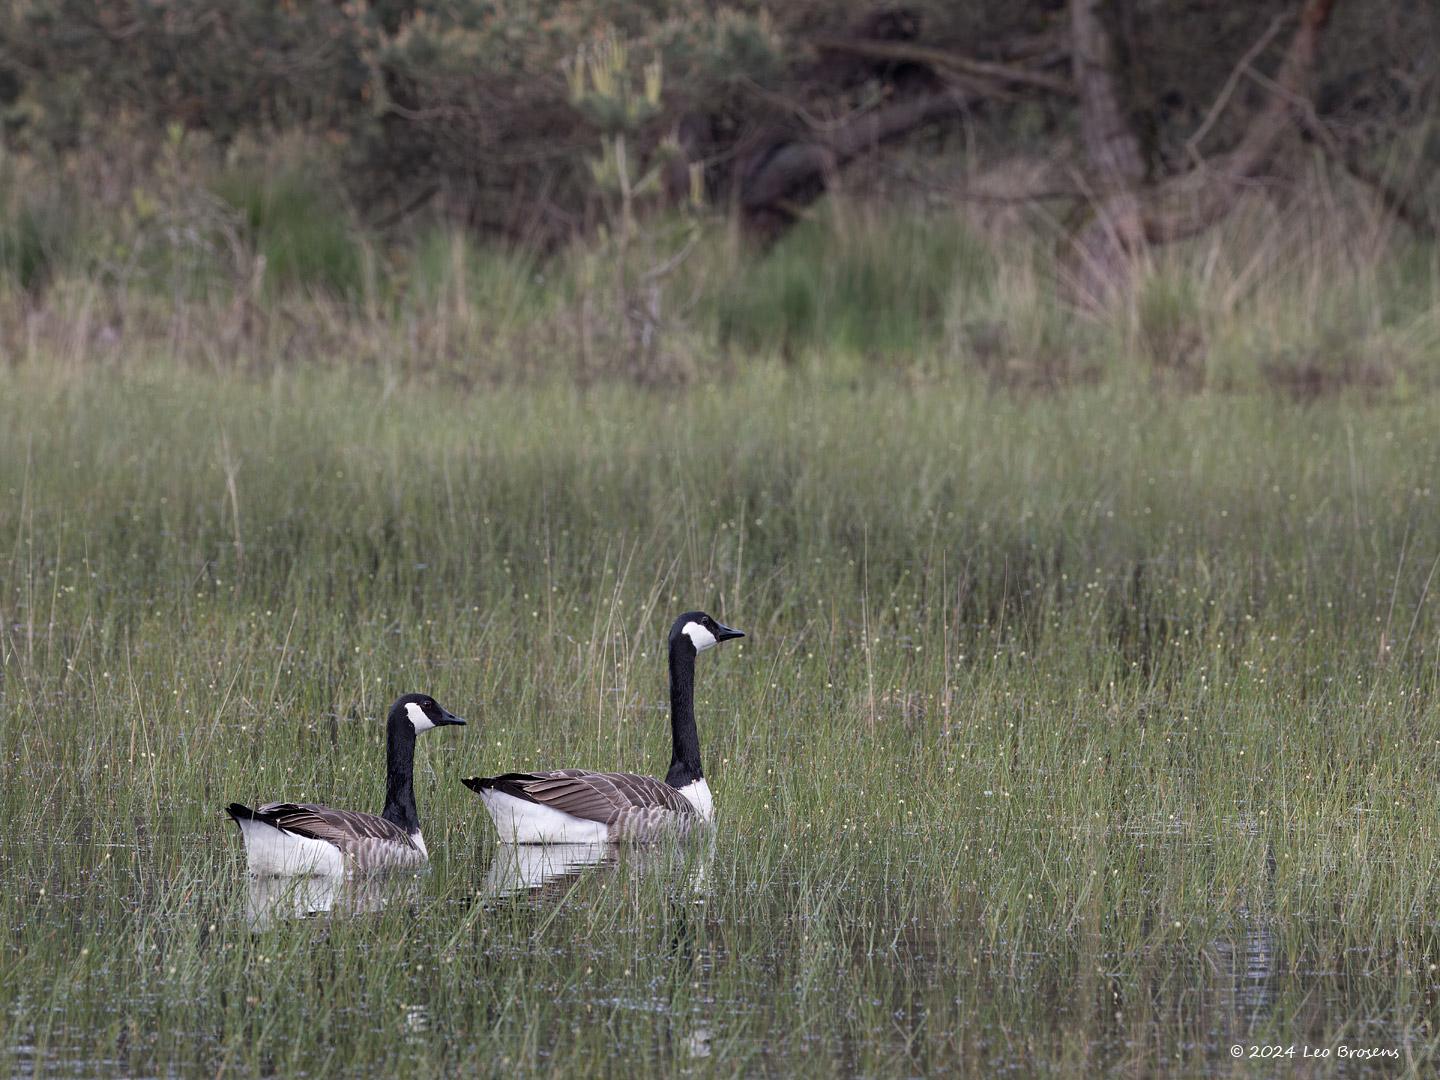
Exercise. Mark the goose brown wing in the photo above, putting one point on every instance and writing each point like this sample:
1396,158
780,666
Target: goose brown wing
591,796
344,828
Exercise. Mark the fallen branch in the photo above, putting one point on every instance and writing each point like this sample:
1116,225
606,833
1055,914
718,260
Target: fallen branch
970,193
791,167
423,196
940,59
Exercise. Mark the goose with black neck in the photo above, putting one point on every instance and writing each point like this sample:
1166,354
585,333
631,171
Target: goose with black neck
577,806
285,838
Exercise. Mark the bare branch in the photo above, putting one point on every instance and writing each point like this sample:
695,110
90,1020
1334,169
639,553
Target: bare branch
1192,144
1292,80
1186,204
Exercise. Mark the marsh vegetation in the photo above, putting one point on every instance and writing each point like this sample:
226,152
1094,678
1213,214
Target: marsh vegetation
1080,731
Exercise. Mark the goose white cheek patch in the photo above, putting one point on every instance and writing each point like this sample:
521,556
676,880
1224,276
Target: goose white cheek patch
418,720
701,638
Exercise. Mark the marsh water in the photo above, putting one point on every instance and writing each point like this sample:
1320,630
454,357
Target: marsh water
675,959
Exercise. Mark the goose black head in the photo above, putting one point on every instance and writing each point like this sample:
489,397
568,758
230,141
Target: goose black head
702,631
422,712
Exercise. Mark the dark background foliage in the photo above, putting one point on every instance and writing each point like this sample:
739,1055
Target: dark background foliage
468,103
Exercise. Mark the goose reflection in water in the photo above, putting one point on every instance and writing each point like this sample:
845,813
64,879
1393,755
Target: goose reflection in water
517,868
521,868
269,900
547,872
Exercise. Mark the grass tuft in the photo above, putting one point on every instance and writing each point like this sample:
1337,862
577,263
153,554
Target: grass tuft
297,222
874,285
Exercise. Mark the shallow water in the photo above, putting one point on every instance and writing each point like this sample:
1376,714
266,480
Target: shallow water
670,959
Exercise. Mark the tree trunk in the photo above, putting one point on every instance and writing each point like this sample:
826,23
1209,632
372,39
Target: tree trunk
1116,235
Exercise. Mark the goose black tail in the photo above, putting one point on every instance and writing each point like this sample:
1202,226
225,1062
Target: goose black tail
509,783
240,812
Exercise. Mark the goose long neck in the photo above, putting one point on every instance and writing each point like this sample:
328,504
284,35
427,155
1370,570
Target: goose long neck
685,758
399,777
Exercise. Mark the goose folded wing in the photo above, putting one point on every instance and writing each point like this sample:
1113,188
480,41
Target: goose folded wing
343,828
594,796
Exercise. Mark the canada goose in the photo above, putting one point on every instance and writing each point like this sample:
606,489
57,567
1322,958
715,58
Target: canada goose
573,806
302,838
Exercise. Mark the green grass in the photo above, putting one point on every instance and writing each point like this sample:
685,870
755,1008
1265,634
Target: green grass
300,225
879,285
1076,733
38,234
